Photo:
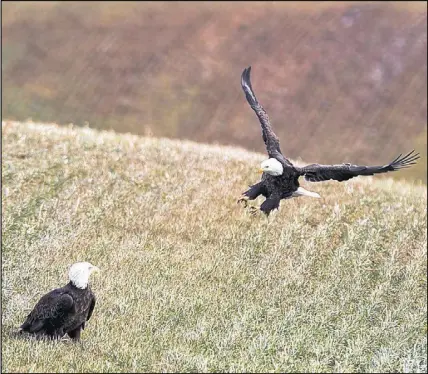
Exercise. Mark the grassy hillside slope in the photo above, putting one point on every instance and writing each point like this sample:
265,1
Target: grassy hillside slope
190,281
342,82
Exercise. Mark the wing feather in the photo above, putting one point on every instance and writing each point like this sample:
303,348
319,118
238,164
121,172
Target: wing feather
91,307
269,137
51,309
343,172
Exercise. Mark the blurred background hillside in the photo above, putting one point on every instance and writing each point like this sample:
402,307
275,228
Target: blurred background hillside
341,81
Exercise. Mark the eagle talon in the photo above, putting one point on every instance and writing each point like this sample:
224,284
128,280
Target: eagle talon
243,199
253,210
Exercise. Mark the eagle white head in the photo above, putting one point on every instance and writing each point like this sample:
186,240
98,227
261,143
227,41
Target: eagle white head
272,166
79,273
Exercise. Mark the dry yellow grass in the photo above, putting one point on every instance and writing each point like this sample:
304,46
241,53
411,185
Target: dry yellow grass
190,281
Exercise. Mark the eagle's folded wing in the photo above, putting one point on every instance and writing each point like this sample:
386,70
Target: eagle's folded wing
50,310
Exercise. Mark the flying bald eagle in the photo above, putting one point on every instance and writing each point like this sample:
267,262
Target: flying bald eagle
64,310
280,179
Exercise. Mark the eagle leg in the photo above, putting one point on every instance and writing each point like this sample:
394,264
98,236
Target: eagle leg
251,194
270,204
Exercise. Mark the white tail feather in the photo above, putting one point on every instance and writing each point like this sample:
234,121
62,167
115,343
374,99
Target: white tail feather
302,192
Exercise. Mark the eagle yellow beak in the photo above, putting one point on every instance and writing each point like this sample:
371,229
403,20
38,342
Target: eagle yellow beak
261,171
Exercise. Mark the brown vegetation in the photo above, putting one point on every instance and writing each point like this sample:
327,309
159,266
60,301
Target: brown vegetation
341,81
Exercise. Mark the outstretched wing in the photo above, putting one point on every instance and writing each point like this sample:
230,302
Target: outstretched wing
343,172
269,137
50,310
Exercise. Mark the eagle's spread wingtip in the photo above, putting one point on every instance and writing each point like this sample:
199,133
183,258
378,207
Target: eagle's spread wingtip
246,73
245,77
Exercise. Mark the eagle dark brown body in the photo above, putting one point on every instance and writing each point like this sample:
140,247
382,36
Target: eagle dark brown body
61,311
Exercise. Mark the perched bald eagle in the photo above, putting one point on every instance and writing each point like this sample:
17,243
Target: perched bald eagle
280,179
64,310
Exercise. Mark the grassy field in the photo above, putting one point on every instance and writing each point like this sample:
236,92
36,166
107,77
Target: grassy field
189,280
